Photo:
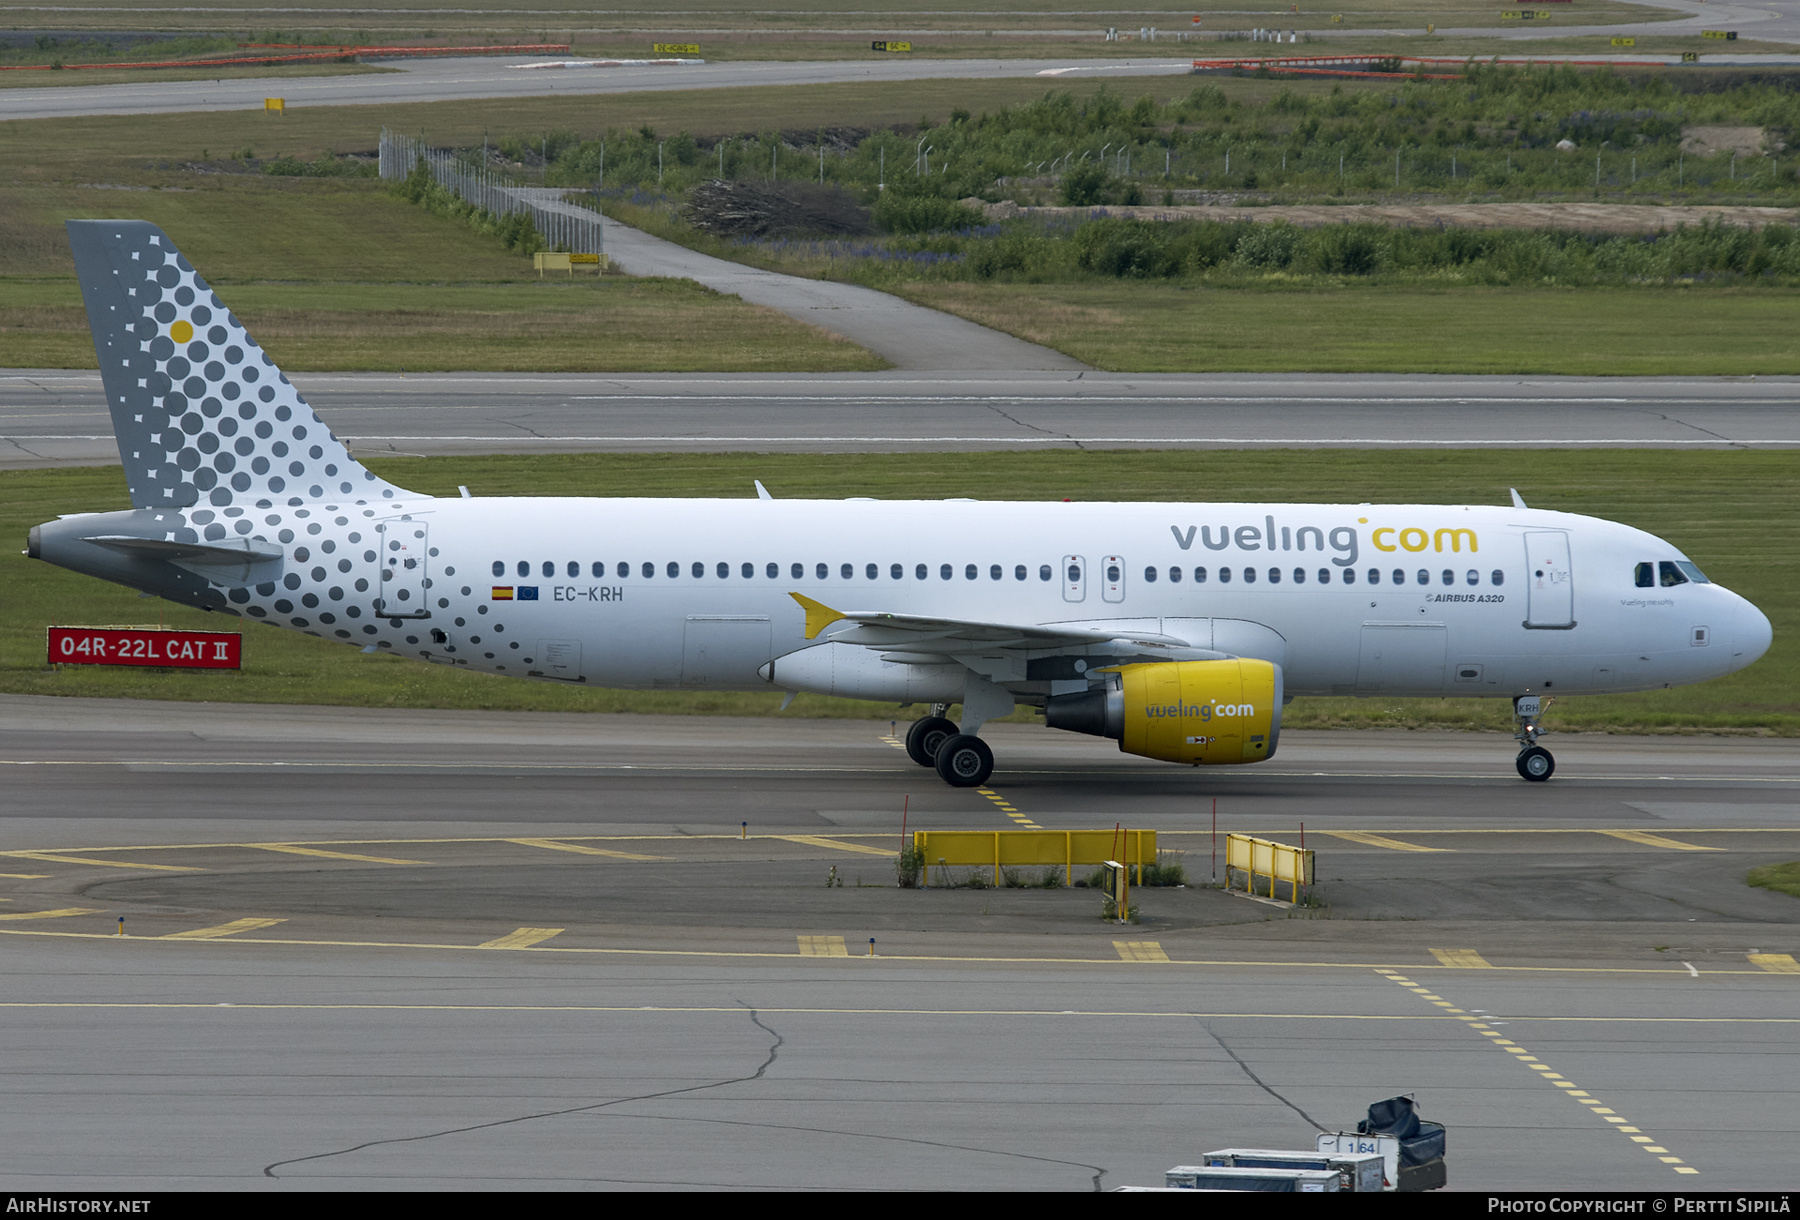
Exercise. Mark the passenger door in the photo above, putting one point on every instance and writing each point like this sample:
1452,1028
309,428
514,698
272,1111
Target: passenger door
1549,581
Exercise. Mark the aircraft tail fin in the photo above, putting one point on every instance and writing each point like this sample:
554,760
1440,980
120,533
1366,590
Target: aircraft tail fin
201,413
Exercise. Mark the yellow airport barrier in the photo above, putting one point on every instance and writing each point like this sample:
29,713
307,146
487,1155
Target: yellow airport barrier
1256,858
1001,848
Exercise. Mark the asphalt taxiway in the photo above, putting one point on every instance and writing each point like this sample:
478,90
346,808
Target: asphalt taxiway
389,949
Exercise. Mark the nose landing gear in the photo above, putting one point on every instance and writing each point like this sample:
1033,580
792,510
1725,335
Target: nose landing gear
1534,763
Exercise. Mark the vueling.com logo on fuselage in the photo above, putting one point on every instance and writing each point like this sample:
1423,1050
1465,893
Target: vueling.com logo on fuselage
1198,711
1343,540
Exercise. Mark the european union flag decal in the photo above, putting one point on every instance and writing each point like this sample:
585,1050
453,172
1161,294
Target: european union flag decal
527,593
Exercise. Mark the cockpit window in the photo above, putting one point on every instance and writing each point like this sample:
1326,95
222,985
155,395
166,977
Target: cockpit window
1693,573
1646,576
1671,575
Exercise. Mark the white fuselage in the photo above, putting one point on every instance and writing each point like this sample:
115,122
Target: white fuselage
1359,599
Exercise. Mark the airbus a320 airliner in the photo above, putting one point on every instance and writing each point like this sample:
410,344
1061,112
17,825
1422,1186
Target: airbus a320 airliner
1180,630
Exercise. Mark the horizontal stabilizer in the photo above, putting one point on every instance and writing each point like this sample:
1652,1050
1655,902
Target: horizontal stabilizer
234,563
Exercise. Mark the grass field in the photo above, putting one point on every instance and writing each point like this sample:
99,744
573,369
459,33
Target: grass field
610,325
1722,508
336,274
339,274
1630,332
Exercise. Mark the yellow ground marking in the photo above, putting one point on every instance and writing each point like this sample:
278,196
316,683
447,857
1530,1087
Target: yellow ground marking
1551,1076
1461,959
26,876
523,938
49,858
1239,963
225,929
893,741
1006,807
816,841
1775,963
822,946
1655,840
51,914
1140,951
1374,840
293,850
579,849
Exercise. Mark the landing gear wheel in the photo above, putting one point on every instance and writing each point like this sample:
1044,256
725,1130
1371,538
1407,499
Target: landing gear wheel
926,737
1535,764
964,761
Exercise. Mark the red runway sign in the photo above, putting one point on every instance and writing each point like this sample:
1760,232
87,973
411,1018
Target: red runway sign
145,646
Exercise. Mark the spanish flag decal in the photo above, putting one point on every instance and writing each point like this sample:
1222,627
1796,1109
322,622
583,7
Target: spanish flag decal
503,593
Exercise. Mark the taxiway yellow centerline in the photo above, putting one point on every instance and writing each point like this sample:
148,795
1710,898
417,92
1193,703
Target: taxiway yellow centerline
942,959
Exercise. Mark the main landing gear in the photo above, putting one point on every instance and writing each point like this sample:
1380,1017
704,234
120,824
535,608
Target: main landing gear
961,760
1534,762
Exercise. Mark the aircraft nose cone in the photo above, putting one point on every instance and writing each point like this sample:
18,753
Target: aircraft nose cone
1752,636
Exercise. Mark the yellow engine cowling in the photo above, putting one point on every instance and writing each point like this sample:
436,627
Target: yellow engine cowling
1201,712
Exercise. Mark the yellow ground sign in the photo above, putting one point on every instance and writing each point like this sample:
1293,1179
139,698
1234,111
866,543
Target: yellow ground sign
890,46
675,48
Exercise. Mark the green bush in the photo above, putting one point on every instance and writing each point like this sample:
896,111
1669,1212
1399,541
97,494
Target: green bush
515,231
898,213
1085,186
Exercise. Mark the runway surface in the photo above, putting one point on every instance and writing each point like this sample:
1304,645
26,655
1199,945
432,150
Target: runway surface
386,949
53,417
439,80
442,80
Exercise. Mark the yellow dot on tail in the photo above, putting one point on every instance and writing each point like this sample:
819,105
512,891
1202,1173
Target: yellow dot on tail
181,332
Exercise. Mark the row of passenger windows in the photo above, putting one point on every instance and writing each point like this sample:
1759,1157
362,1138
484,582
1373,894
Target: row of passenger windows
1345,576
772,571
848,571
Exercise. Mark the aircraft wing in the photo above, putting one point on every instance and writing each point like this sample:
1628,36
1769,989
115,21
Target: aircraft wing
917,633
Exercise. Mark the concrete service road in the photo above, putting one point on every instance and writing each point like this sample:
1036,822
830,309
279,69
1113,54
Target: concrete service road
51,417
388,949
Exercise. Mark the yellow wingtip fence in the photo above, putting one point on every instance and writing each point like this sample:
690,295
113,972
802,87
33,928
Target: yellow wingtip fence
1264,858
1003,848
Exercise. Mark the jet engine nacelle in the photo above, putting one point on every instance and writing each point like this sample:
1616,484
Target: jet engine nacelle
1197,712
